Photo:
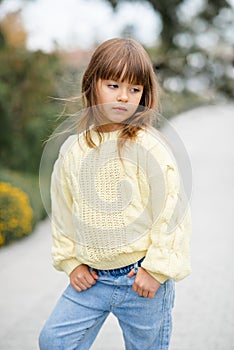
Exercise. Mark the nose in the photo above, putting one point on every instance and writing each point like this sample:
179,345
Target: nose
122,96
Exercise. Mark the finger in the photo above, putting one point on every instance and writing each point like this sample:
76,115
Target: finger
84,280
134,287
145,293
140,292
131,273
137,289
89,280
94,275
78,289
151,295
80,283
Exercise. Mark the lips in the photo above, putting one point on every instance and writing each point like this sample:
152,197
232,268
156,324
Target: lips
120,109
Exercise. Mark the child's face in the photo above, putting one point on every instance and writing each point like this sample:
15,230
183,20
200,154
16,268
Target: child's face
119,100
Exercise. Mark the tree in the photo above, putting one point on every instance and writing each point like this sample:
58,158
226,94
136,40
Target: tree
13,30
182,60
27,79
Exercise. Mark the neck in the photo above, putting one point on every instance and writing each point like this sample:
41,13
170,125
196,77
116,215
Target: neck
110,127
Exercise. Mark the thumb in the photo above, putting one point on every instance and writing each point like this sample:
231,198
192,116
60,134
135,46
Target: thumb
94,274
131,273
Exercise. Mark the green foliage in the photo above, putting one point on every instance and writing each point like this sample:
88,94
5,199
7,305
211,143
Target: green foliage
28,115
195,46
27,80
16,214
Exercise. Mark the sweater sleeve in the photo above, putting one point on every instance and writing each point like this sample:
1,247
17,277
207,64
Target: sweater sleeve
64,245
169,253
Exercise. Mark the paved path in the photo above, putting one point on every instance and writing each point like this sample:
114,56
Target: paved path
204,309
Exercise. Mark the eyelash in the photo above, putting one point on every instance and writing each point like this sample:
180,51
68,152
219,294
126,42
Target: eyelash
114,86
136,90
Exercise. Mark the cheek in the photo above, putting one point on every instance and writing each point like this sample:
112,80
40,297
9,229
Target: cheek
99,100
138,99
99,93
102,96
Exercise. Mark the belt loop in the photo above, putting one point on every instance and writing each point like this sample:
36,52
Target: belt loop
136,267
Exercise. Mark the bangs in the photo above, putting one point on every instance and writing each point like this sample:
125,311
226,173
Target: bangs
120,60
124,65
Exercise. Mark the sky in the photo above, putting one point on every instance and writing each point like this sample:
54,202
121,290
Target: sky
81,24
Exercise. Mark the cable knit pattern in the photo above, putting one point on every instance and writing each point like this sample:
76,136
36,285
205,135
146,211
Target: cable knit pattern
109,212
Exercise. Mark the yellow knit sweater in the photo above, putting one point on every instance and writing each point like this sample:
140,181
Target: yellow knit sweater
109,210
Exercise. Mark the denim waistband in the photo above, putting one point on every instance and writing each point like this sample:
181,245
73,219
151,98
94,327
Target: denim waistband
120,271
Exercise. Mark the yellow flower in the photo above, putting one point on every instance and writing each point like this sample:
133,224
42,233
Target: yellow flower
2,239
16,214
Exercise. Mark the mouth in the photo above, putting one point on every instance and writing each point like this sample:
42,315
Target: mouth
120,109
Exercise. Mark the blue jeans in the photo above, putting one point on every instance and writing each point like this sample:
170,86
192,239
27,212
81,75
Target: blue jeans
78,316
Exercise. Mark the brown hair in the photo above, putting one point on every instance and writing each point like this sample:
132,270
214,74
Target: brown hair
119,59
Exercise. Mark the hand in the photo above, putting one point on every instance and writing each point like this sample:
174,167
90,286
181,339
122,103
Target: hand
144,285
81,278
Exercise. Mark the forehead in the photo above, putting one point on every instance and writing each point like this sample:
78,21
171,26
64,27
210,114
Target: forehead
128,69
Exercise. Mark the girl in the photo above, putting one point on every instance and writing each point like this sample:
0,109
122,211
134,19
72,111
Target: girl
115,189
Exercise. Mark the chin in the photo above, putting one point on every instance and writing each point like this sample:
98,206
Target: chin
114,121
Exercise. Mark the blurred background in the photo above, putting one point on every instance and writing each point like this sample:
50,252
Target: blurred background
44,48
45,45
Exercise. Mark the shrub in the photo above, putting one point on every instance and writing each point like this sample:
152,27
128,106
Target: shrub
29,183
16,214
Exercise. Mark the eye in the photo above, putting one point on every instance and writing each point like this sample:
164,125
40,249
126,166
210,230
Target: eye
135,89
112,86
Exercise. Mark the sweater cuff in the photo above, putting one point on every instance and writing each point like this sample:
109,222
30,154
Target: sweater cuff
159,277
69,265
